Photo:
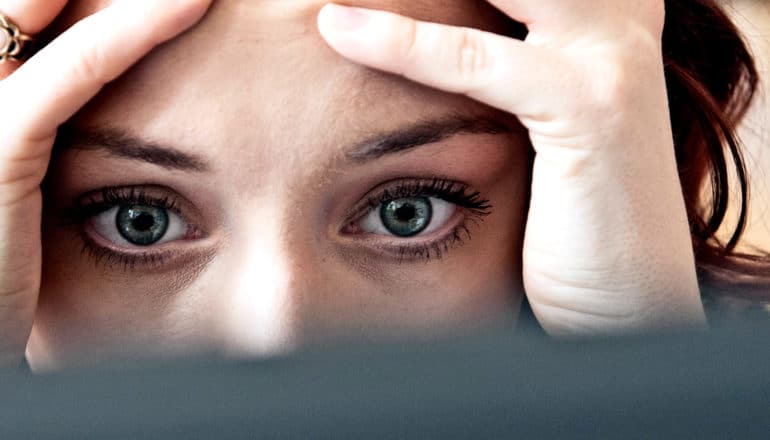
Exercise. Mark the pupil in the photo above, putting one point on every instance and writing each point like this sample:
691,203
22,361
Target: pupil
406,213
143,222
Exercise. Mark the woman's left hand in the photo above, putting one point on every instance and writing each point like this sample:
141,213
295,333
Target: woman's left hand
607,244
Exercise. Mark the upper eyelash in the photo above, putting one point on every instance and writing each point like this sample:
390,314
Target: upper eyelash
454,192
110,197
460,194
103,200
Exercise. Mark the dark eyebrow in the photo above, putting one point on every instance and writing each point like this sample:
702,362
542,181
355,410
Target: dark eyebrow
422,133
120,143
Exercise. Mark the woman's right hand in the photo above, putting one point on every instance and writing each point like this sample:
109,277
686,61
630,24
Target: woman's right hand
37,98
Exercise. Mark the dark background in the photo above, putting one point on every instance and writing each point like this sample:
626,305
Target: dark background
700,385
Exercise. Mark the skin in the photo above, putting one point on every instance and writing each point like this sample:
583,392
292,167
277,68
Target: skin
607,246
274,259
273,271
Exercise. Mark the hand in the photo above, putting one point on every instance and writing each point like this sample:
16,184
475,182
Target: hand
607,245
39,96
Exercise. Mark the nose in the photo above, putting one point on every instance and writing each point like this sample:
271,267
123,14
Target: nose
258,315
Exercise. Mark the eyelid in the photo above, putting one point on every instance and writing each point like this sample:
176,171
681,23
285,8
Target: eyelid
442,212
105,221
166,257
198,245
436,186
435,246
471,209
98,201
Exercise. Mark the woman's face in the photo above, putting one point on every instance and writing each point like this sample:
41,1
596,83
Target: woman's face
245,189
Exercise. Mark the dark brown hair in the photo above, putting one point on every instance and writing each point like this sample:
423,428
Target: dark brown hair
712,79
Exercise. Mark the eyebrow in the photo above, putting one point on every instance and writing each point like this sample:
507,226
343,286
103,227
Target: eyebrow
420,134
120,143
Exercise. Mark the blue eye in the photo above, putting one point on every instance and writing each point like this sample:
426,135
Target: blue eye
139,225
408,217
142,225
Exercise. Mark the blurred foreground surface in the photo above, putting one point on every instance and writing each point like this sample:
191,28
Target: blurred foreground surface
704,385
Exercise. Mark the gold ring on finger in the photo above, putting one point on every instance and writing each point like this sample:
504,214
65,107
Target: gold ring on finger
13,42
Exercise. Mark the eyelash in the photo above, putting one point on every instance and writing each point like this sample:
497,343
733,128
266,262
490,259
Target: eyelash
114,196
105,199
476,208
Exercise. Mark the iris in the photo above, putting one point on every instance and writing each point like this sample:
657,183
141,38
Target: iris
407,217
142,225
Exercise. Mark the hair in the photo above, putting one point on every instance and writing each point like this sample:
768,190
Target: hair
712,80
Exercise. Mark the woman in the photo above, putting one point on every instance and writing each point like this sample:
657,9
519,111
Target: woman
246,189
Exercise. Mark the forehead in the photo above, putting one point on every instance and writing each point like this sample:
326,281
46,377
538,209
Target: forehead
457,12
256,72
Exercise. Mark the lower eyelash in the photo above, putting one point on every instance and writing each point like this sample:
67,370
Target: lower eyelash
436,249
104,256
111,197
89,206
475,208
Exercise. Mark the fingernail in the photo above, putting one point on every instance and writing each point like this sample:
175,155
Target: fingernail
343,17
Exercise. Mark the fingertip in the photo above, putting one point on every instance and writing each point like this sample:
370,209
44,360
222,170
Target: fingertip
353,32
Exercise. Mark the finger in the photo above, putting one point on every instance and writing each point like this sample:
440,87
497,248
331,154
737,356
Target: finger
499,71
61,78
31,16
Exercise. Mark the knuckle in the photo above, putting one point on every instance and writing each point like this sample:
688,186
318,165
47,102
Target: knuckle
612,91
410,42
472,56
90,66
613,83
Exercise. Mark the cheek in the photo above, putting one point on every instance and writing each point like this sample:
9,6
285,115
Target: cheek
475,285
427,299
87,310
322,294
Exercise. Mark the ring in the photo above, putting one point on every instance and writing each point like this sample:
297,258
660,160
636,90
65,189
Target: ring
12,41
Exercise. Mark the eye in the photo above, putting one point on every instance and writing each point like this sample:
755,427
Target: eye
439,211
139,225
408,217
